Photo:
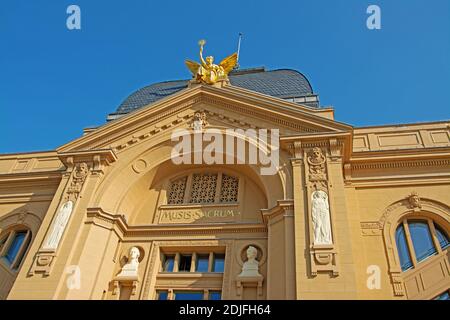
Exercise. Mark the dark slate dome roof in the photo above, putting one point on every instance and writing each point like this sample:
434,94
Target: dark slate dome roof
282,83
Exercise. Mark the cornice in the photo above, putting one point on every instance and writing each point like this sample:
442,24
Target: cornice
99,159
295,108
263,114
100,217
444,124
27,178
355,170
278,111
282,108
393,181
26,197
134,120
282,207
403,163
30,154
315,136
106,155
415,153
338,143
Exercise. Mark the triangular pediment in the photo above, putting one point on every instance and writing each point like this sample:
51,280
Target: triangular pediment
226,106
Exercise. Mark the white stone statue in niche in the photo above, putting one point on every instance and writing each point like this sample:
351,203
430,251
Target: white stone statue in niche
321,218
130,269
250,268
59,226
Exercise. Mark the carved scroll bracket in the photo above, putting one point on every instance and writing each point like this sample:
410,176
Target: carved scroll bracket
97,160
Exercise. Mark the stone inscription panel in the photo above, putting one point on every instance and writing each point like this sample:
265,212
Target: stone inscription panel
198,214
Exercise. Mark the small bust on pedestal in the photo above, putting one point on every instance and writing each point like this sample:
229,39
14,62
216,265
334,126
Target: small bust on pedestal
250,268
130,269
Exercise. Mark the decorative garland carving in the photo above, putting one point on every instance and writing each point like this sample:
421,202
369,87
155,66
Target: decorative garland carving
317,171
78,177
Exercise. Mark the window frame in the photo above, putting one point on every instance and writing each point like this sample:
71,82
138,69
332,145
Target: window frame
446,292
211,292
21,252
172,292
215,258
176,281
188,291
431,229
176,256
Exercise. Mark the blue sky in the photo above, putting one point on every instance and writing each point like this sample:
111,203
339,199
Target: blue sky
54,82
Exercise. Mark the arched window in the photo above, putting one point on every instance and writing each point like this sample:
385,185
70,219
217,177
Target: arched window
13,246
417,240
442,238
204,188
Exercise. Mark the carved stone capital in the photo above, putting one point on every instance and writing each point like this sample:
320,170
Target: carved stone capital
97,160
335,149
297,148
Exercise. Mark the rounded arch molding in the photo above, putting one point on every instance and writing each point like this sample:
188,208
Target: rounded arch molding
131,168
389,221
21,218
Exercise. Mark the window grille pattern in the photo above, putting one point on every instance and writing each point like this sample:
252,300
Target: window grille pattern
200,188
177,190
203,188
229,189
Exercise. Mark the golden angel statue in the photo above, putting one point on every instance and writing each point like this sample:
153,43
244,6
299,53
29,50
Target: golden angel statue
207,71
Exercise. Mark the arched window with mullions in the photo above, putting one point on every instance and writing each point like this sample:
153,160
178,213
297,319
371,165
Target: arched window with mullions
417,240
13,246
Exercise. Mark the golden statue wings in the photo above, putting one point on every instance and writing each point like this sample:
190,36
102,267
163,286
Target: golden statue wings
207,71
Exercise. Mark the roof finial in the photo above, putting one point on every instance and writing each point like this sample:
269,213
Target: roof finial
236,67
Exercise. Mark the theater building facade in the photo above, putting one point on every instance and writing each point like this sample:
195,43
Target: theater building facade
349,213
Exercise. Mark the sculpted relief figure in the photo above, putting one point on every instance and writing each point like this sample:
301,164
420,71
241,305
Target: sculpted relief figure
321,218
130,269
414,200
82,171
208,72
199,121
79,176
250,267
62,217
316,161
